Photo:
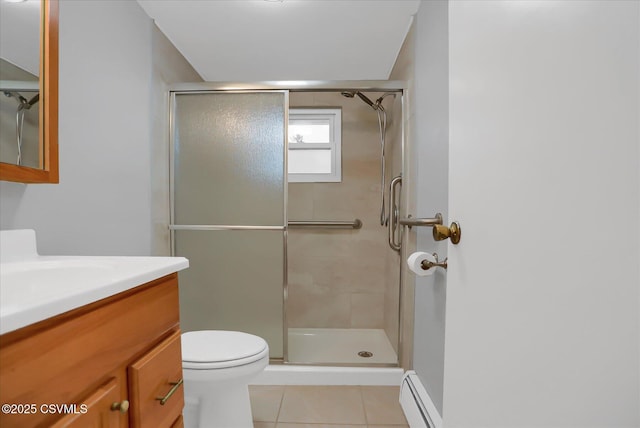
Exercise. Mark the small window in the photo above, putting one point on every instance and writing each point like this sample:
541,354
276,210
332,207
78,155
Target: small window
314,145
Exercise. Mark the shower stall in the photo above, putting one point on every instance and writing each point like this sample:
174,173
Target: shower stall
310,262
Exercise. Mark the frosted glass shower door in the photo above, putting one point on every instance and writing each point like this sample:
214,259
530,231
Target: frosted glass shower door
228,210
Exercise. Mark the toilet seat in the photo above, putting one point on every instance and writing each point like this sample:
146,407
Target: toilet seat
218,349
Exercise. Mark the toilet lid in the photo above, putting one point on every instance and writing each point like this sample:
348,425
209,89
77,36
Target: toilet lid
215,346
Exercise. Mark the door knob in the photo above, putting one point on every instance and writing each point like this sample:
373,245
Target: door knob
442,232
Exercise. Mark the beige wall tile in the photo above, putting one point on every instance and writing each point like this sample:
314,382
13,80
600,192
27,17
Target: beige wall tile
326,274
329,265
300,201
365,311
318,310
319,243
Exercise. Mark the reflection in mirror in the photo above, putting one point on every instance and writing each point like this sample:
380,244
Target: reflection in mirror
19,116
29,91
19,83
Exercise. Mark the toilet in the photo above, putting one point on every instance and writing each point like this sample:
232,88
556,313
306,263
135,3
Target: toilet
217,367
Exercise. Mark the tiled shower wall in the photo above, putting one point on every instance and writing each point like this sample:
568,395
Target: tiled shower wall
341,278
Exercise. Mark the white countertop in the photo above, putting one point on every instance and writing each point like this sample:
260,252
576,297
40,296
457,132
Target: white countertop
34,288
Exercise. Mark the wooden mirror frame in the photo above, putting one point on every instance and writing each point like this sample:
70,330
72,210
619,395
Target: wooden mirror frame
48,107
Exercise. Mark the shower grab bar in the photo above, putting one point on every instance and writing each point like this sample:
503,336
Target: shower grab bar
394,215
221,227
355,224
410,221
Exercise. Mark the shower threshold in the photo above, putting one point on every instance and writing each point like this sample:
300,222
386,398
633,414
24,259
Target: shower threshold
340,346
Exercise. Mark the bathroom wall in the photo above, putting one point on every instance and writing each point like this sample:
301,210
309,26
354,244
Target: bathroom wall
109,103
169,66
427,45
338,278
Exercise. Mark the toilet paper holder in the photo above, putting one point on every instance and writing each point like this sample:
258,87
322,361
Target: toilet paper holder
426,264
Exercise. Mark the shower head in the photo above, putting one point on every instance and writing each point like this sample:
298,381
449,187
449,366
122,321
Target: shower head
23,103
363,97
12,94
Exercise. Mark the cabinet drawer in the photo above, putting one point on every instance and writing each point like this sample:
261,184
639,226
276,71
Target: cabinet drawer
156,375
96,411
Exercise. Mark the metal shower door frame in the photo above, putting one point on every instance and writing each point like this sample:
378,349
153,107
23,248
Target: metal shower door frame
286,87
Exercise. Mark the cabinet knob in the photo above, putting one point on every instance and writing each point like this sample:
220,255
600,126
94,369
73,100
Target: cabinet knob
123,406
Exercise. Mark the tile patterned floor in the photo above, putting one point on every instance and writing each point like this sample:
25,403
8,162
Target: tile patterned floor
326,407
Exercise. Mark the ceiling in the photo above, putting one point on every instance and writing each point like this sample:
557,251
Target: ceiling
260,40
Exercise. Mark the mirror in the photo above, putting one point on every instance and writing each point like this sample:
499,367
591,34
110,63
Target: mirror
29,91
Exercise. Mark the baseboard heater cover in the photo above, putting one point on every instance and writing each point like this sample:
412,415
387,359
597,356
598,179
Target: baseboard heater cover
417,405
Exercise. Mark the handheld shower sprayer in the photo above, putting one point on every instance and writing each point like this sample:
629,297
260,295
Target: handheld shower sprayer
23,105
363,97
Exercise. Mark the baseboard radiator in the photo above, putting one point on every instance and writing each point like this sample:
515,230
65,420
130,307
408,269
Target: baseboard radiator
416,403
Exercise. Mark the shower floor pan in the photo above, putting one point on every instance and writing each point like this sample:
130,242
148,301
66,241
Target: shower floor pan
340,346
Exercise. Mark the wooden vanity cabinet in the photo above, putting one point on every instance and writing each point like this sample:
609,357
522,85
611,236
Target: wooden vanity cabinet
106,364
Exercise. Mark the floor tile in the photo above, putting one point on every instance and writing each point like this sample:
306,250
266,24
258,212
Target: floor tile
265,402
386,426
287,425
264,425
322,404
382,406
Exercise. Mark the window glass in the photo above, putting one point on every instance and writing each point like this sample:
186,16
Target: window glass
309,162
309,131
314,136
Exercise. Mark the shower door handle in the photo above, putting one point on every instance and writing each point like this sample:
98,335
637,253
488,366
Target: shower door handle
394,214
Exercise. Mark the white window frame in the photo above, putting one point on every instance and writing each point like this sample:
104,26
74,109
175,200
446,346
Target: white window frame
335,145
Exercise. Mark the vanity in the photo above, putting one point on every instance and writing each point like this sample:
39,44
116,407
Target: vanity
88,341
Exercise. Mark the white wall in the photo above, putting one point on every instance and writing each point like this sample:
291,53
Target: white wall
103,202
169,66
542,292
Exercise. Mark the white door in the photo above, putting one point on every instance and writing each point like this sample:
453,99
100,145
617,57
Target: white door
542,297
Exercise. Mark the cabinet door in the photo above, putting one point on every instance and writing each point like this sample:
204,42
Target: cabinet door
157,375
97,413
179,423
